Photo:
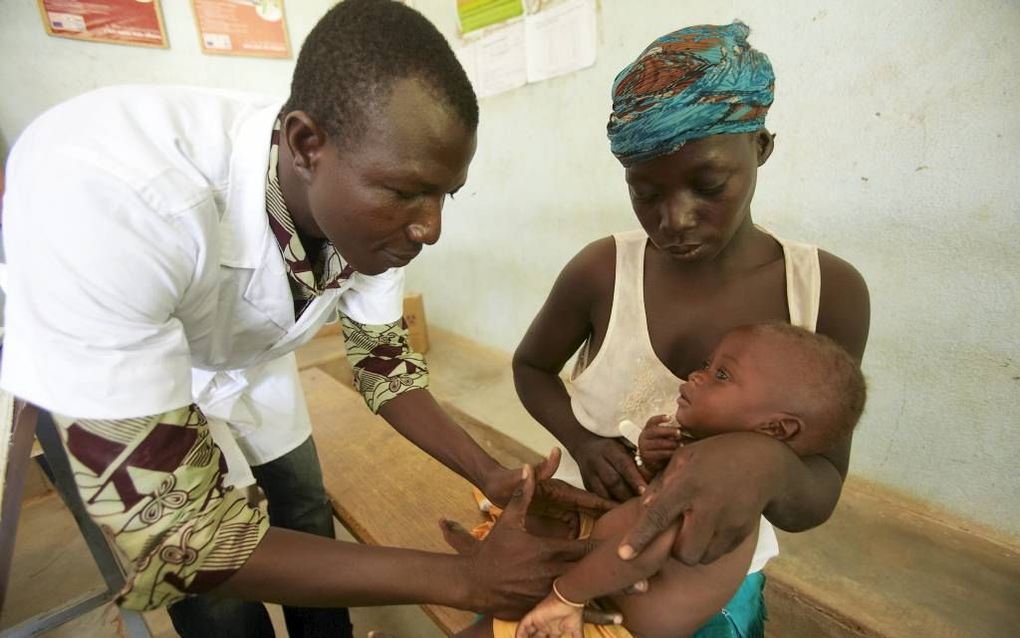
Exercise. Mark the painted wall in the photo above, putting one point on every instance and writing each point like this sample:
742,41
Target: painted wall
897,134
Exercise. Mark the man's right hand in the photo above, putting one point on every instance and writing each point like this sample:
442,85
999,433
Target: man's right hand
608,468
511,570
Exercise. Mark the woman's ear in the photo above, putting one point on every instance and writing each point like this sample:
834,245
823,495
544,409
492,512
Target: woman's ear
306,142
781,427
765,143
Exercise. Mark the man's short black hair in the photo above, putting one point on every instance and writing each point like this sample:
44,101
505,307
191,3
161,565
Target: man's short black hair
355,53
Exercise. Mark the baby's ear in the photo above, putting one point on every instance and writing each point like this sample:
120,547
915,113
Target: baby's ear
782,427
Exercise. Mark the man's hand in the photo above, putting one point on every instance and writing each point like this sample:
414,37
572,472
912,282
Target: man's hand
511,570
719,485
552,498
608,468
657,443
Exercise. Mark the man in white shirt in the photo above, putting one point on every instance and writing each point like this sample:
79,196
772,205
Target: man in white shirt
168,248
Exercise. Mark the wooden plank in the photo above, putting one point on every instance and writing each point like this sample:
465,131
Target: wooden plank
382,488
18,448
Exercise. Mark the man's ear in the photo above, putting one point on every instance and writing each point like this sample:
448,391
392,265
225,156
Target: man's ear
781,427
306,142
764,141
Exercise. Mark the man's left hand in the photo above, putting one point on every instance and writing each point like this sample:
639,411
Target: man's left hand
552,498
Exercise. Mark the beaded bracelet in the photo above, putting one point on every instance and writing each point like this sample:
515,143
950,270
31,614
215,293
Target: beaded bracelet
563,600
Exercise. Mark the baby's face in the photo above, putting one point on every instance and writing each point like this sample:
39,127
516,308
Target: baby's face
739,388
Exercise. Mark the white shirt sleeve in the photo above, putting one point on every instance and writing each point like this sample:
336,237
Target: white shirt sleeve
374,299
95,276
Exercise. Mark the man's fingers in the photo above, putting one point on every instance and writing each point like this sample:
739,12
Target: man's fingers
548,466
654,518
563,493
517,509
457,537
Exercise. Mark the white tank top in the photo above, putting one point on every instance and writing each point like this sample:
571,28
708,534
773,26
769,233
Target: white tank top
626,381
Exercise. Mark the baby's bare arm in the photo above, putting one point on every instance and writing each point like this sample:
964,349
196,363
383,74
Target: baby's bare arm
603,573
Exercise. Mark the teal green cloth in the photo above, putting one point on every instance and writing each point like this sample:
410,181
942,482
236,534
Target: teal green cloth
744,616
689,84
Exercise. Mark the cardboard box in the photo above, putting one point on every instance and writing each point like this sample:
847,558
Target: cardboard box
414,317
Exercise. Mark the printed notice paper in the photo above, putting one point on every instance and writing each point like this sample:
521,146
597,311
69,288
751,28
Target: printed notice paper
242,27
137,22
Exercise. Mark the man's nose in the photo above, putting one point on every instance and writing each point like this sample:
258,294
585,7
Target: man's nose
427,226
680,214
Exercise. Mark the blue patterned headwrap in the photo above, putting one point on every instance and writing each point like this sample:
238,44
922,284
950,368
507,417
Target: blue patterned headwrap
689,84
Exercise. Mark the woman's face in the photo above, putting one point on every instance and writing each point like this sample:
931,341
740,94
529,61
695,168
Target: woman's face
691,202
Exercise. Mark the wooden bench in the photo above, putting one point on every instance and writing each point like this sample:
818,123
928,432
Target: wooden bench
384,489
882,566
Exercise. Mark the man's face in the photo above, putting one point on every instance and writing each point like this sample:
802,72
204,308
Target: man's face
692,201
739,388
380,200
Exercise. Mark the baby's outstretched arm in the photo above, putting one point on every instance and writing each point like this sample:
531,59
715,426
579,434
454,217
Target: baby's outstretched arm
600,573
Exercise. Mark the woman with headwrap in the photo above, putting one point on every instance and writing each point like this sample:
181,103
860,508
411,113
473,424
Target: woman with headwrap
646,307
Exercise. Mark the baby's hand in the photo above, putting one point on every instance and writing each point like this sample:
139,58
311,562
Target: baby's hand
552,618
657,443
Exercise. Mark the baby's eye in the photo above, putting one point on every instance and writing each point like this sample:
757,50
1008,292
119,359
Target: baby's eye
722,374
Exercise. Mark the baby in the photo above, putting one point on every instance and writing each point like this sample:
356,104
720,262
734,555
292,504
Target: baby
774,379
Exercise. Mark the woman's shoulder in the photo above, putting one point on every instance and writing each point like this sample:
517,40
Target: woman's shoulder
844,311
590,274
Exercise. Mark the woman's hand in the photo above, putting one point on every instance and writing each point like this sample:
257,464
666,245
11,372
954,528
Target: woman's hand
553,497
608,468
657,443
720,486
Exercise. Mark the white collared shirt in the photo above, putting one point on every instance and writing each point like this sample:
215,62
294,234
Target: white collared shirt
138,249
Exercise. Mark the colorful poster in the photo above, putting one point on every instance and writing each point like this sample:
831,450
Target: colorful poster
475,14
137,22
242,27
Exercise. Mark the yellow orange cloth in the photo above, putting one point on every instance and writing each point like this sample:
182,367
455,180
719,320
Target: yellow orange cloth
506,629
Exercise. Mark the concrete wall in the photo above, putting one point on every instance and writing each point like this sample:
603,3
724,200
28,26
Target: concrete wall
897,137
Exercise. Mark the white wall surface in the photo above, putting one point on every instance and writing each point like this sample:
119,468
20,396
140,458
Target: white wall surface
897,139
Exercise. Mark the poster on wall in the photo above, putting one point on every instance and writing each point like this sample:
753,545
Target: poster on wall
477,14
136,22
550,41
254,28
